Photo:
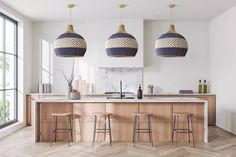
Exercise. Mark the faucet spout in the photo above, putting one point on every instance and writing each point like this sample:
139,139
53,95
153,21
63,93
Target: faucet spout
121,93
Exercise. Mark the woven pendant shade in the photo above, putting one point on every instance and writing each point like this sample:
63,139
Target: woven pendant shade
121,44
171,44
70,44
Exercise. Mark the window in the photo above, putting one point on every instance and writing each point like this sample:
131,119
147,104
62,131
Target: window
8,70
46,62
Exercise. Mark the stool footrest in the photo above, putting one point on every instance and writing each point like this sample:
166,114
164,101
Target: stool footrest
102,132
183,132
142,132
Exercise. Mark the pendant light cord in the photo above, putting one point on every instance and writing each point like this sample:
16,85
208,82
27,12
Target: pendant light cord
70,6
121,6
171,6
121,16
70,16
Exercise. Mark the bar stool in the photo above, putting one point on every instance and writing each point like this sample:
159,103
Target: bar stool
75,117
107,117
176,129
68,129
148,130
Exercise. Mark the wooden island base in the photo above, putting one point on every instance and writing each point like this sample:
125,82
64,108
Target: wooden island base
122,121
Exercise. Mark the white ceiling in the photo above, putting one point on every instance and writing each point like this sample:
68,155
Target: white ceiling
55,10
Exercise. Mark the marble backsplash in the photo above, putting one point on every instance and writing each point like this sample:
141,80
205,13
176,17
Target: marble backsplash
109,79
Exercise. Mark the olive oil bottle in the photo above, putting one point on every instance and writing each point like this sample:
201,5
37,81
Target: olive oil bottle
205,87
200,86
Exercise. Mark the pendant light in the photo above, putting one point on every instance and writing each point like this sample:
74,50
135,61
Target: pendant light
171,44
121,44
70,44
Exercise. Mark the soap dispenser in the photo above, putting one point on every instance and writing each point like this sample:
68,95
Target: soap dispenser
139,92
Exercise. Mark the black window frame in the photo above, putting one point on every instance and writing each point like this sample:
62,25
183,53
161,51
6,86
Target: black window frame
5,17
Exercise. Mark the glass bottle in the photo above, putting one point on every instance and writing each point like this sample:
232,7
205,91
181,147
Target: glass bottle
205,87
139,92
200,86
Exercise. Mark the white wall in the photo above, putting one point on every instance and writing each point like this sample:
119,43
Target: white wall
223,68
95,34
172,74
24,61
158,71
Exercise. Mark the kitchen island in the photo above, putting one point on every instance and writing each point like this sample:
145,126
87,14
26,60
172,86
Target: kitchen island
122,119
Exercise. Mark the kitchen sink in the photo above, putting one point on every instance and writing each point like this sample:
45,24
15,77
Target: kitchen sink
120,98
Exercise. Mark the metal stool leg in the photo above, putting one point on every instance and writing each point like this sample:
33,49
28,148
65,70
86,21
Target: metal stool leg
94,130
105,127
177,127
52,131
150,129
109,123
67,129
134,133
55,131
188,128
71,127
173,127
192,130
80,130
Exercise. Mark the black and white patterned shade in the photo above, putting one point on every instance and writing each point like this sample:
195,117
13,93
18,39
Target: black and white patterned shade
70,44
121,44
171,44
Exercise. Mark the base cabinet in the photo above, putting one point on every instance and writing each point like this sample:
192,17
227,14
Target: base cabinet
211,104
122,121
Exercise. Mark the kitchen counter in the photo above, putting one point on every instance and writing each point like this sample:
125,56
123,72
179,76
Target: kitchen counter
105,100
122,119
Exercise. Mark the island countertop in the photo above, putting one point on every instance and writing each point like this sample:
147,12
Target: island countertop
122,118
105,100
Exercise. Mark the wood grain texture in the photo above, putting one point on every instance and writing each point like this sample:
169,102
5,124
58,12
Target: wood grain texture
161,120
211,104
197,109
122,120
45,119
21,144
122,111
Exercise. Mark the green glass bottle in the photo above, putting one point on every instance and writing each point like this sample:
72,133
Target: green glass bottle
205,87
200,86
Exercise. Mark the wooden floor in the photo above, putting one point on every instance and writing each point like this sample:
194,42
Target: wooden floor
21,144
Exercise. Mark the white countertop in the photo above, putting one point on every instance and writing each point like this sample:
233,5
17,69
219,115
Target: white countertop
105,100
145,94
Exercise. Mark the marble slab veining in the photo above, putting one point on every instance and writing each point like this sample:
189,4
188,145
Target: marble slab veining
109,79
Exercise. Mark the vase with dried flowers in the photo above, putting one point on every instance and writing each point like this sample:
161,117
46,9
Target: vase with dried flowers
69,79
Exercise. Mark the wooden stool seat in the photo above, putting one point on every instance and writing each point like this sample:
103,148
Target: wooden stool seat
102,113
76,116
142,114
61,114
182,114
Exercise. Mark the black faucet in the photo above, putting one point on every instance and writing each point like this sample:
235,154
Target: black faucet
121,93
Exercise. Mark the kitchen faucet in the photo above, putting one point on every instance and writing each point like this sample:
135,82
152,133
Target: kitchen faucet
121,93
